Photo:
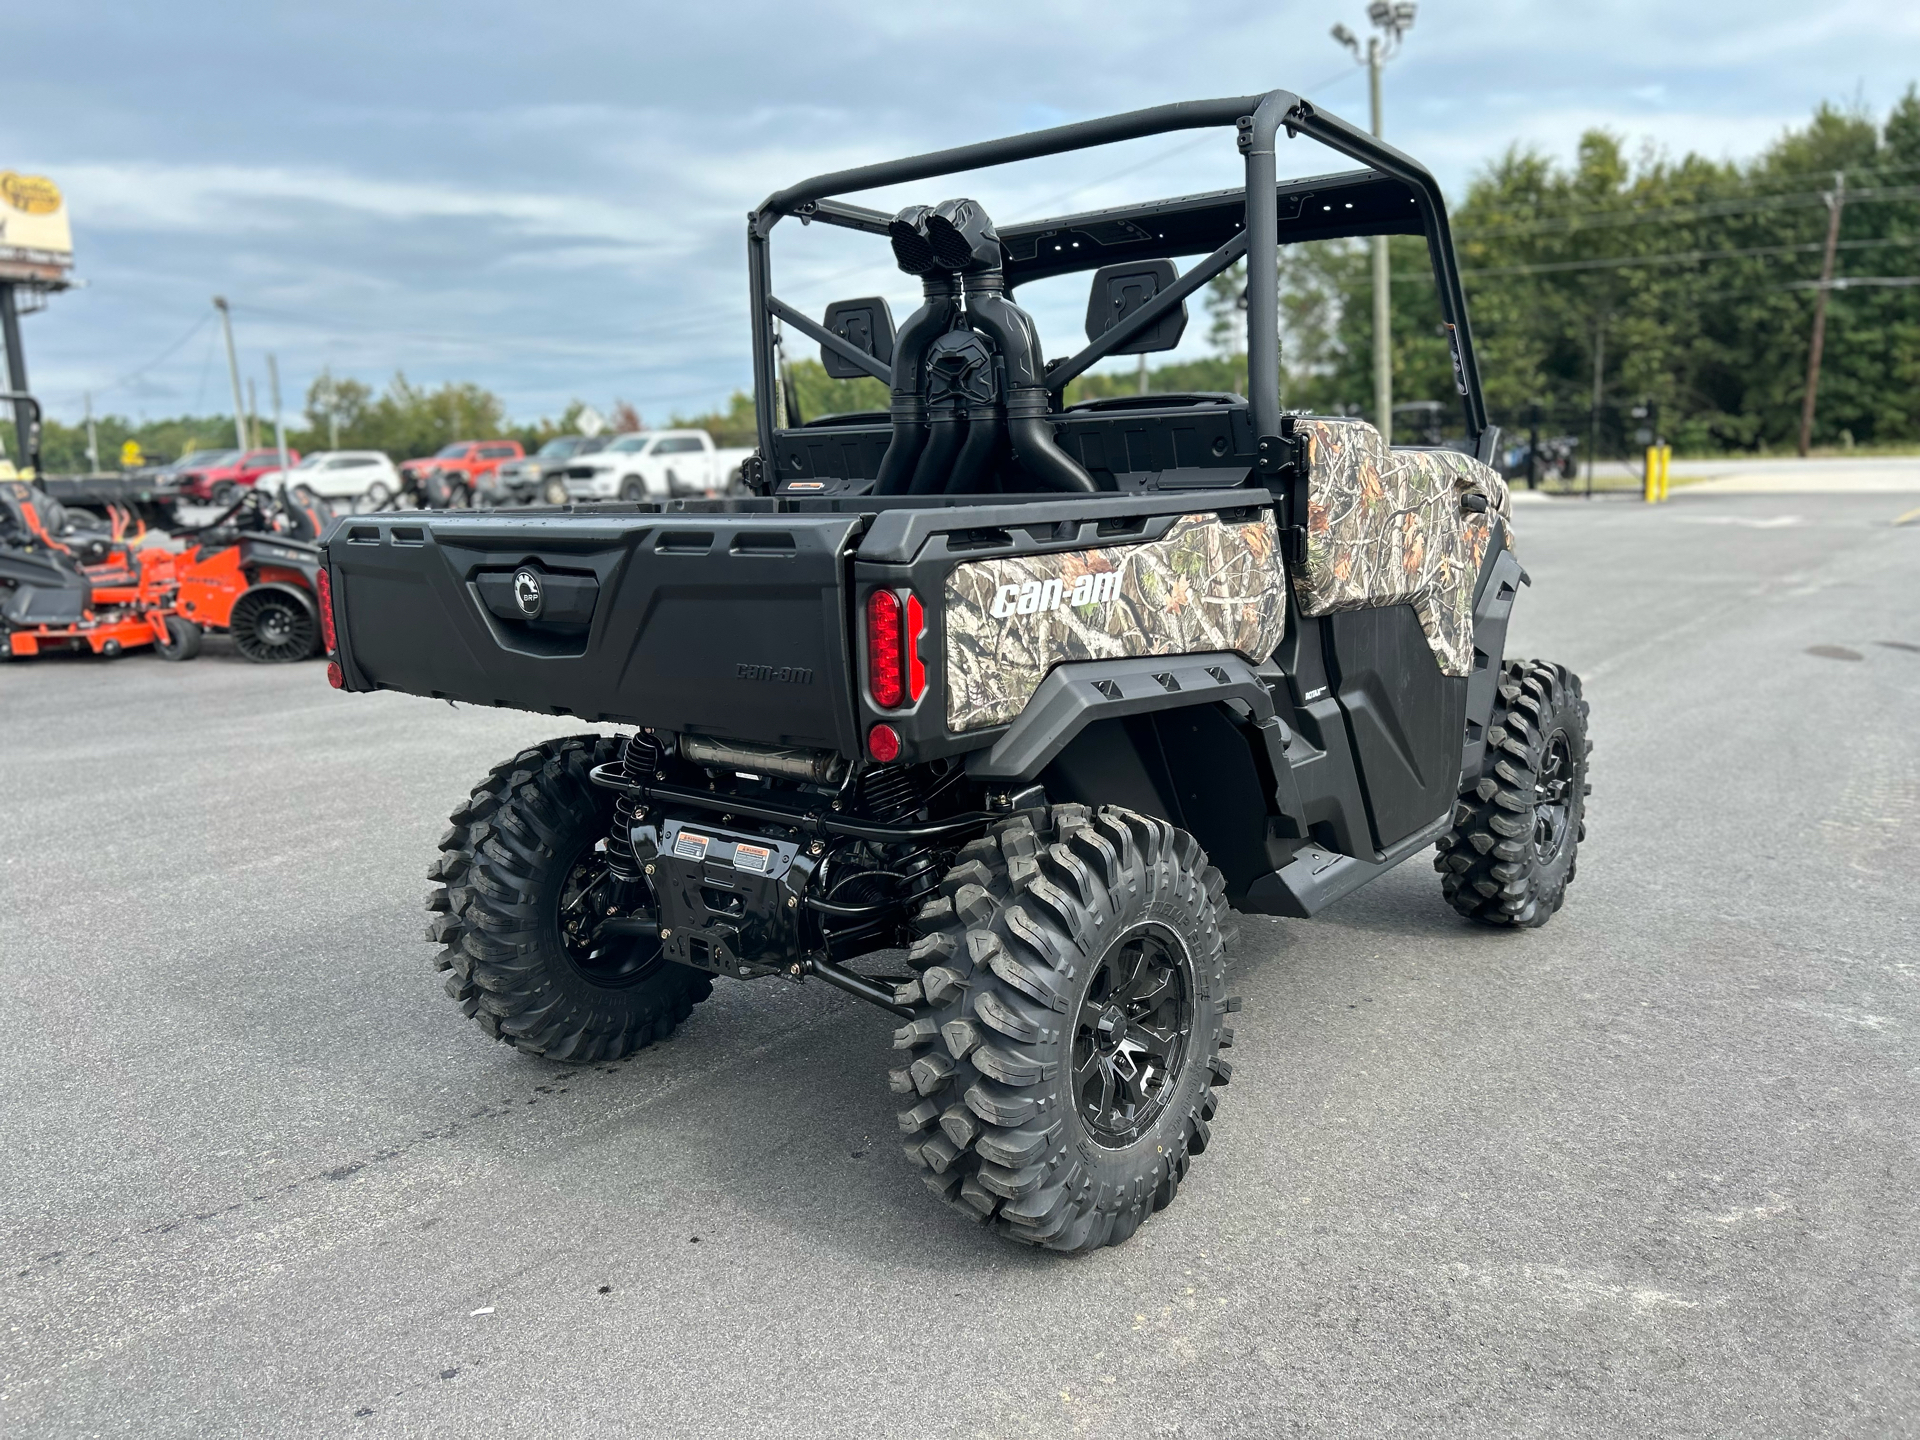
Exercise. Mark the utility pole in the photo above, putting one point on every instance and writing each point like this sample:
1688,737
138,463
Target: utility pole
233,372
1393,21
1599,391
279,429
253,417
1143,372
1836,198
93,440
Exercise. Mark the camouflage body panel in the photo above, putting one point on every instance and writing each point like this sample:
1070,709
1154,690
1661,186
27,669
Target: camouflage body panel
1385,527
1206,585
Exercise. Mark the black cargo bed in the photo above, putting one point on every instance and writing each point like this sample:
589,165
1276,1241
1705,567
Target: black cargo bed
704,623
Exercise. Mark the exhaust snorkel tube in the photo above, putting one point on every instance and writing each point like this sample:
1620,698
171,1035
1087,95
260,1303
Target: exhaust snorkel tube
961,237
899,467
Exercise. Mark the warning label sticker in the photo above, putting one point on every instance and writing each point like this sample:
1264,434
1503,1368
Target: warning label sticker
757,858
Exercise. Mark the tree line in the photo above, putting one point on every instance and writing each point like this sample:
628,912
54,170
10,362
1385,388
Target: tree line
1685,285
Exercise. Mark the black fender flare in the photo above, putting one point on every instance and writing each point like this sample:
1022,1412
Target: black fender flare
1075,695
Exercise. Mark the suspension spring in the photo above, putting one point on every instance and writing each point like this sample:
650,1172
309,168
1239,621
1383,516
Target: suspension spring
638,762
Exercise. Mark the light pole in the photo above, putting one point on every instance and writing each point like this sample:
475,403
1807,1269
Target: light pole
1392,21
233,372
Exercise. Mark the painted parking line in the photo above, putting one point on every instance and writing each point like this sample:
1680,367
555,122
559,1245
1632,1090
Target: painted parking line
1908,518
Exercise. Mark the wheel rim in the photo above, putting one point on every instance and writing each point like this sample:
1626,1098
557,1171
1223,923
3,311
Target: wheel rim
1553,798
612,963
1130,1035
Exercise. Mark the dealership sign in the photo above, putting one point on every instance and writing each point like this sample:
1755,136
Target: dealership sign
36,243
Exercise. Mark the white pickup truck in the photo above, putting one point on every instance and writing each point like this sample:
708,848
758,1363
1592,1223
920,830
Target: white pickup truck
649,464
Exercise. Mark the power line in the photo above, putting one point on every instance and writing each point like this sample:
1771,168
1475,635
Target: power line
1682,257
1604,218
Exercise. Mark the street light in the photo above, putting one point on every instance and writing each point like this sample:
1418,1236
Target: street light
1392,21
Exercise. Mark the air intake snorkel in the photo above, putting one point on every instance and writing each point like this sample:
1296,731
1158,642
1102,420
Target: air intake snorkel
935,317
961,237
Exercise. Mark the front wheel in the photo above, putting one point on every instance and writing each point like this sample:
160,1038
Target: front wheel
1516,835
520,889
1070,1012
632,489
182,642
225,493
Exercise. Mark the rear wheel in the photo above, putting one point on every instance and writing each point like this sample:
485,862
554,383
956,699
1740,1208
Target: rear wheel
1516,836
182,642
378,494
271,626
1070,1010
522,878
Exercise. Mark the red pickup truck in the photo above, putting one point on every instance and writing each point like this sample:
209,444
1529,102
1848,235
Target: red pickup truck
221,483
453,473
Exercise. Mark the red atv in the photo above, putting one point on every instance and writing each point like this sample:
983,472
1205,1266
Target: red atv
253,573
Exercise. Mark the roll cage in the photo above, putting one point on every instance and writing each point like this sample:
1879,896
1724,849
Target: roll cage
1394,195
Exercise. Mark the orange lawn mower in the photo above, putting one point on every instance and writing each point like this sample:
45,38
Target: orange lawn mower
52,599
254,573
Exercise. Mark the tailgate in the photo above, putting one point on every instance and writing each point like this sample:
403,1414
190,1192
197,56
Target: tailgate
718,624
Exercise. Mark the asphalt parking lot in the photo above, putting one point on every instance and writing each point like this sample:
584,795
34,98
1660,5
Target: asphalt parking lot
1648,1171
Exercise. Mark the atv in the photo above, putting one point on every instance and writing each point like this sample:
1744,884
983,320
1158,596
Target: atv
253,573
1039,694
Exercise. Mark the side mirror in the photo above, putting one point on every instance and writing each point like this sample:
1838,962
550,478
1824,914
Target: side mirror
868,324
1119,290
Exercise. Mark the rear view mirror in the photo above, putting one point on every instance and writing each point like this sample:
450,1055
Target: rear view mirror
866,323
1119,290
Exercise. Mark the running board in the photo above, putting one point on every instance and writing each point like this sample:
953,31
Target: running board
1315,878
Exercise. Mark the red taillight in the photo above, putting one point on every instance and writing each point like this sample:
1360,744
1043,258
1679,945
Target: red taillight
884,680
883,743
334,678
916,668
326,611
896,675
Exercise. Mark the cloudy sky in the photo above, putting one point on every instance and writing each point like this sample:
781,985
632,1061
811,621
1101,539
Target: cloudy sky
550,199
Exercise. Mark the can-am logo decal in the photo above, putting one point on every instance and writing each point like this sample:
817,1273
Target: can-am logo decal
1037,597
528,593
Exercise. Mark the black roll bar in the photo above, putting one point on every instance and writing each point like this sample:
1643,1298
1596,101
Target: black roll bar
1257,120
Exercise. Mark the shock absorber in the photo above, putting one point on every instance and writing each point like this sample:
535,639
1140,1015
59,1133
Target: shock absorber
639,762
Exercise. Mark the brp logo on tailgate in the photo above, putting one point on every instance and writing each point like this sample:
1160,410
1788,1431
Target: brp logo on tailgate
1036,597
528,593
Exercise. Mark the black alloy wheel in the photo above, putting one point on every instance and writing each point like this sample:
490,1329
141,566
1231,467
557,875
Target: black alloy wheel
1130,1037
1552,802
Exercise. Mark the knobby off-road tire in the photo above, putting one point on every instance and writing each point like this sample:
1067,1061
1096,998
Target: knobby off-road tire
1516,836
1058,940
521,851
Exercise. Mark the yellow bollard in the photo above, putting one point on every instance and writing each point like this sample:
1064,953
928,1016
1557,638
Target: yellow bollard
1651,486
1666,464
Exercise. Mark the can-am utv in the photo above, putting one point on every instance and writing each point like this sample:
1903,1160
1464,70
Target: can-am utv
1040,693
